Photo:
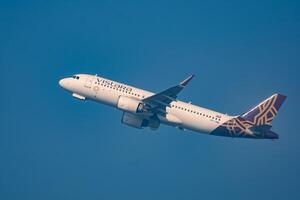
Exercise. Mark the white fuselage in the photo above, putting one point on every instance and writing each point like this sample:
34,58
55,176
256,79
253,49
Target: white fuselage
179,114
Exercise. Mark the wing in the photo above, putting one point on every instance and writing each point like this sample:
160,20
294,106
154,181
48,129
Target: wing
159,102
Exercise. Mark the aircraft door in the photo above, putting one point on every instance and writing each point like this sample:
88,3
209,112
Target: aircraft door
89,81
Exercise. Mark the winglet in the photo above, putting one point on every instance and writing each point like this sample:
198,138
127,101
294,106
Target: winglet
186,81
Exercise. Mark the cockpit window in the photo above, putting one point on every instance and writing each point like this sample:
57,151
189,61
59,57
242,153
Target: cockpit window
75,77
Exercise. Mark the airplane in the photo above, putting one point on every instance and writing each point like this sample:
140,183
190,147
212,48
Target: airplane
143,109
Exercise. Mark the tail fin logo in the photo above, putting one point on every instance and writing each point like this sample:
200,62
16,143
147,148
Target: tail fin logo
265,112
261,115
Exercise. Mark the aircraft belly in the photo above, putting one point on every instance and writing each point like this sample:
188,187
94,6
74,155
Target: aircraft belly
199,124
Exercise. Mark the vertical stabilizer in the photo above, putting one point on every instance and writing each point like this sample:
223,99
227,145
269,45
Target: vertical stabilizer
265,112
255,123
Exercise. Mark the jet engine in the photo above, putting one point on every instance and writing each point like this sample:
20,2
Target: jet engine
153,124
131,105
137,121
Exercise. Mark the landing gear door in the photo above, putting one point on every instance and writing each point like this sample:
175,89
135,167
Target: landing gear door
89,81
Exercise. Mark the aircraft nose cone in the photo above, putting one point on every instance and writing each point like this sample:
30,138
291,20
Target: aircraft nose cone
66,83
62,83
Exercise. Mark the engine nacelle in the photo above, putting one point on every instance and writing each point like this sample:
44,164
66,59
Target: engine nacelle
128,104
132,120
153,124
137,121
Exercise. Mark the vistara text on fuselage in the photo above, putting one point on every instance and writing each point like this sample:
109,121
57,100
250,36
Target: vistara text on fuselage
142,108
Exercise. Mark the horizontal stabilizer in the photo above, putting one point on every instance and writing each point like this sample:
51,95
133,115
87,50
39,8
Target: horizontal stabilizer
270,135
260,128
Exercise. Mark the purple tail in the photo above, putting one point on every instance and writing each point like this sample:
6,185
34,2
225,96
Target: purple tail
265,112
255,123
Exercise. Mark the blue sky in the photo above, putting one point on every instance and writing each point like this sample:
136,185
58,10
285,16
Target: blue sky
54,147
